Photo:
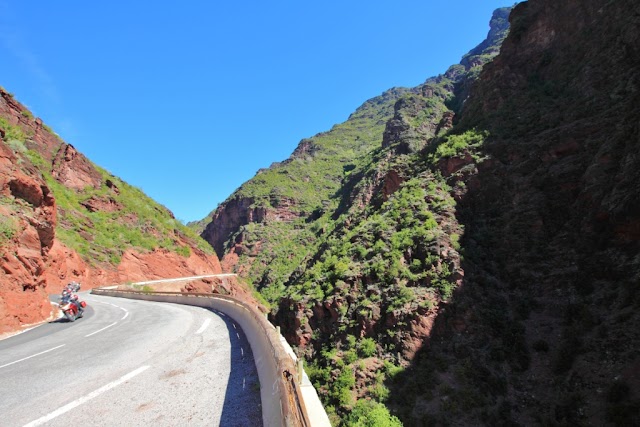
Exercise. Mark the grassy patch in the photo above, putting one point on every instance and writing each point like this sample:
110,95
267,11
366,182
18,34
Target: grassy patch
8,229
453,145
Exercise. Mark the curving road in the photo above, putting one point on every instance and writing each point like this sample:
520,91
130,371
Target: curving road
127,363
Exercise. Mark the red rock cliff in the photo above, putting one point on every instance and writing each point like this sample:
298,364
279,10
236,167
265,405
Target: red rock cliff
33,261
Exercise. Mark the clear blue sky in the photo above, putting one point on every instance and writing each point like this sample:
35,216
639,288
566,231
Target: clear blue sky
187,100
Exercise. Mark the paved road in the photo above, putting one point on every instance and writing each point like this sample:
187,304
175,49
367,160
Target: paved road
129,363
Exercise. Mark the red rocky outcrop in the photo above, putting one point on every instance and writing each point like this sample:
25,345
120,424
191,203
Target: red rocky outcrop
223,232
41,139
33,262
74,170
28,235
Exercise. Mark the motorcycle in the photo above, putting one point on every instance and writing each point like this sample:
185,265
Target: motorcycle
70,308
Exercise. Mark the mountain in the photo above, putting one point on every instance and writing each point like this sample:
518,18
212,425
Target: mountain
355,234
263,230
65,219
269,225
466,252
544,329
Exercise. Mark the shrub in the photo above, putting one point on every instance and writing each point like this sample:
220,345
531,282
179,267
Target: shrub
371,414
453,145
342,387
11,132
367,347
404,296
351,341
455,241
379,392
350,356
392,370
185,251
8,229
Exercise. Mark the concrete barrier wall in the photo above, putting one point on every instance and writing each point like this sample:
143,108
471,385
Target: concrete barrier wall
282,400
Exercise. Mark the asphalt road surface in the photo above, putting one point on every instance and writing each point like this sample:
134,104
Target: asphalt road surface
130,363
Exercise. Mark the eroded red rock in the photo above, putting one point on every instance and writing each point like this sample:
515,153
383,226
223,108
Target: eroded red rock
34,263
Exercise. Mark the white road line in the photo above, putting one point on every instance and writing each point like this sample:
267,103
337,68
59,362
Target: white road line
204,326
80,401
238,335
100,330
33,355
116,306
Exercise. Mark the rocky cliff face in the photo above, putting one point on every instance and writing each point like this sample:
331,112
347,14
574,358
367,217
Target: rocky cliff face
360,277
27,236
544,328
40,237
480,266
263,231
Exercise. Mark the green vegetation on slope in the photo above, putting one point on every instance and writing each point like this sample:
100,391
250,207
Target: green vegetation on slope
102,236
394,262
308,186
358,236
376,246
314,173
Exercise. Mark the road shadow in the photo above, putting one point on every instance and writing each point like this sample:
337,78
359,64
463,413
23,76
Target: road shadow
242,403
88,312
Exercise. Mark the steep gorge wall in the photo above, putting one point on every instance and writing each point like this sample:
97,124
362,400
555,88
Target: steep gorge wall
541,160
262,231
544,330
380,259
519,305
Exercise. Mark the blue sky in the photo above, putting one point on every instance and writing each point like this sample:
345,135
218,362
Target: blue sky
187,100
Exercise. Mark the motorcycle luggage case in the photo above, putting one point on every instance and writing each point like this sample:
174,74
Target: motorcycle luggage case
83,304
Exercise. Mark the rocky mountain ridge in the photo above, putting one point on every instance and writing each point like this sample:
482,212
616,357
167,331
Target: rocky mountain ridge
480,265
279,200
380,251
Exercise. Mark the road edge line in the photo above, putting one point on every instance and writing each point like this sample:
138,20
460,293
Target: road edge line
33,355
100,330
80,401
204,326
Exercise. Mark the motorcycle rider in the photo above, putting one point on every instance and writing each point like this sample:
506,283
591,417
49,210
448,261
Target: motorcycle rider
76,301
69,296
73,287
65,296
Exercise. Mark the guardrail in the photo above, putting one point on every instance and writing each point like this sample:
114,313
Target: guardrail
283,402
